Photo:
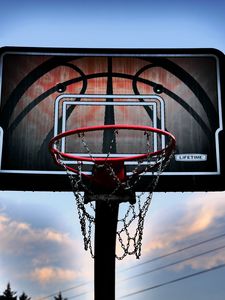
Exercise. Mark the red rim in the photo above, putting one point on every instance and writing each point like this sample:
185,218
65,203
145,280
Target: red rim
58,154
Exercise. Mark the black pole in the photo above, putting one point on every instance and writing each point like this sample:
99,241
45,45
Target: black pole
105,247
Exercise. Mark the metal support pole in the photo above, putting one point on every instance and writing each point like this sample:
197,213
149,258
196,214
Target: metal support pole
105,247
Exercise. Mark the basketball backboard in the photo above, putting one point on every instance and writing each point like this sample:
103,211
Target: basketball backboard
47,91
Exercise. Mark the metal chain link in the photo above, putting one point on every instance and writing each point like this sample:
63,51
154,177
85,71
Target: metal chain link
132,244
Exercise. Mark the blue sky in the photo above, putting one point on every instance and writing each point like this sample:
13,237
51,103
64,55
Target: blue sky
41,250
113,24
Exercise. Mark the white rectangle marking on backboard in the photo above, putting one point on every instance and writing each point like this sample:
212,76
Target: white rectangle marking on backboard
152,104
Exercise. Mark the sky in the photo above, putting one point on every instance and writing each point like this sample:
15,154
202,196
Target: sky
41,248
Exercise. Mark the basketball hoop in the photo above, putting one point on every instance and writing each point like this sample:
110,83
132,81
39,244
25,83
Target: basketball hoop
109,181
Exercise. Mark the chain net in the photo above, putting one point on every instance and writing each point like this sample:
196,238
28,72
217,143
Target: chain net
132,215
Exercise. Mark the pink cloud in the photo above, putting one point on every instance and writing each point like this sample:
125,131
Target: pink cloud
53,275
200,214
14,233
42,250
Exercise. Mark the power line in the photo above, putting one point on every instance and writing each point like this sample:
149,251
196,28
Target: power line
174,263
173,281
78,295
165,266
66,290
148,261
176,251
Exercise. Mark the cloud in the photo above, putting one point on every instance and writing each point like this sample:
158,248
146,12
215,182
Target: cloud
205,261
199,217
50,274
3,219
204,211
52,235
44,255
14,234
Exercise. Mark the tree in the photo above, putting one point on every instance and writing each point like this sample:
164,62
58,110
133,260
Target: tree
8,294
59,297
24,297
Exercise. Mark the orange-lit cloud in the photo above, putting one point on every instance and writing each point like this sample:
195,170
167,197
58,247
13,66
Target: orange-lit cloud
3,219
50,274
14,233
203,211
42,251
201,214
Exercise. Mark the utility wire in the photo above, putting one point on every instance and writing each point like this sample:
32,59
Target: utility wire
76,296
148,261
66,290
165,266
174,263
173,281
176,251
